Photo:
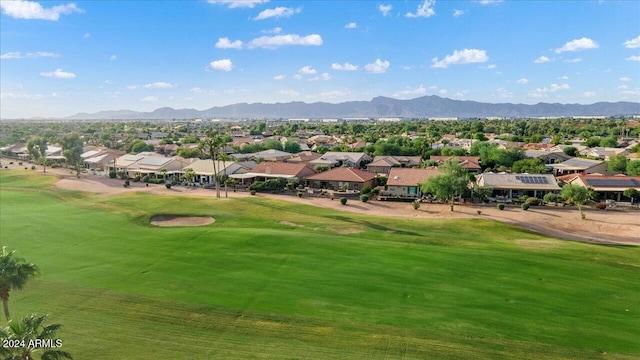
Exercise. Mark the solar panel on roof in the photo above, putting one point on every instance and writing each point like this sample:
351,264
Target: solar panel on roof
527,179
627,183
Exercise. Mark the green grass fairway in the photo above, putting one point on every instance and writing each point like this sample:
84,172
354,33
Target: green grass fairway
276,280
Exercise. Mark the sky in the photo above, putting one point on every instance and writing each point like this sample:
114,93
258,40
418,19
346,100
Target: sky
60,58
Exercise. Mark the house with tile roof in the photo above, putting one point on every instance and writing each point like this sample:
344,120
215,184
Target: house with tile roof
471,163
272,170
383,164
514,185
579,165
607,187
404,183
337,178
336,158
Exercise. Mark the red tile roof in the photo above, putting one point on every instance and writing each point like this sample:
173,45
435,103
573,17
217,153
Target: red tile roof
409,177
343,174
283,168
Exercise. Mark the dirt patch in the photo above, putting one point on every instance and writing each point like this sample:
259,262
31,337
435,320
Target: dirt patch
346,231
288,223
178,220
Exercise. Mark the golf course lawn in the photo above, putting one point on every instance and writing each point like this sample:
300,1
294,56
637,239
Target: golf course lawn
276,280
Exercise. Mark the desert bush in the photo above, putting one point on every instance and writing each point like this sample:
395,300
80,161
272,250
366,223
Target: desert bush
365,190
136,179
552,198
168,185
364,198
33,167
299,194
343,200
252,192
127,183
112,174
601,206
145,178
533,201
525,206
500,206
415,204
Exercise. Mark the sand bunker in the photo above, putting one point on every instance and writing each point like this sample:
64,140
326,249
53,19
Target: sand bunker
179,220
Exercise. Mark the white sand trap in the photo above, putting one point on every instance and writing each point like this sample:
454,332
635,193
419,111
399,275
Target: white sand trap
179,220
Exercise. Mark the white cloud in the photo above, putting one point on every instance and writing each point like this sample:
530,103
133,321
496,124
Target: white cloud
278,12
351,25
622,87
563,77
197,90
492,66
58,74
457,13
344,67
624,78
633,58
220,65
307,70
385,9
420,90
522,81
424,10
8,95
589,94
132,87
633,43
442,92
459,57
433,87
23,9
297,76
635,91
461,93
576,60
159,85
86,35
323,77
279,77
113,58
275,30
487,2
273,42
149,99
405,67
225,43
503,93
578,45
33,55
542,59
542,92
378,67
238,3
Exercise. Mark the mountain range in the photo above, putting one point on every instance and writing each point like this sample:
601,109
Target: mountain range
422,107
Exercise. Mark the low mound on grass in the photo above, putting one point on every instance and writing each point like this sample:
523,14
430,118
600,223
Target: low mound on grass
181,220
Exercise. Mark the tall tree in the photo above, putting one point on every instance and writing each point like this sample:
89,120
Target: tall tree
72,148
37,148
14,274
578,195
29,333
451,183
225,158
212,146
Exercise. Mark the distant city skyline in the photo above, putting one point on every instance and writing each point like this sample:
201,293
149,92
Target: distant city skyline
60,58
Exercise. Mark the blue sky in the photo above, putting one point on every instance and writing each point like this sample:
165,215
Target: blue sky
61,58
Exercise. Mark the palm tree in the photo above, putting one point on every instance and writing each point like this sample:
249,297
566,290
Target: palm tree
14,274
31,335
225,159
212,146
189,175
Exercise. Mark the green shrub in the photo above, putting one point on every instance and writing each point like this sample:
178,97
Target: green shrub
168,185
364,198
500,206
127,183
343,200
375,191
525,206
269,185
136,179
20,163
365,190
533,201
252,192
145,178
112,174
415,204
299,194
33,167
552,198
